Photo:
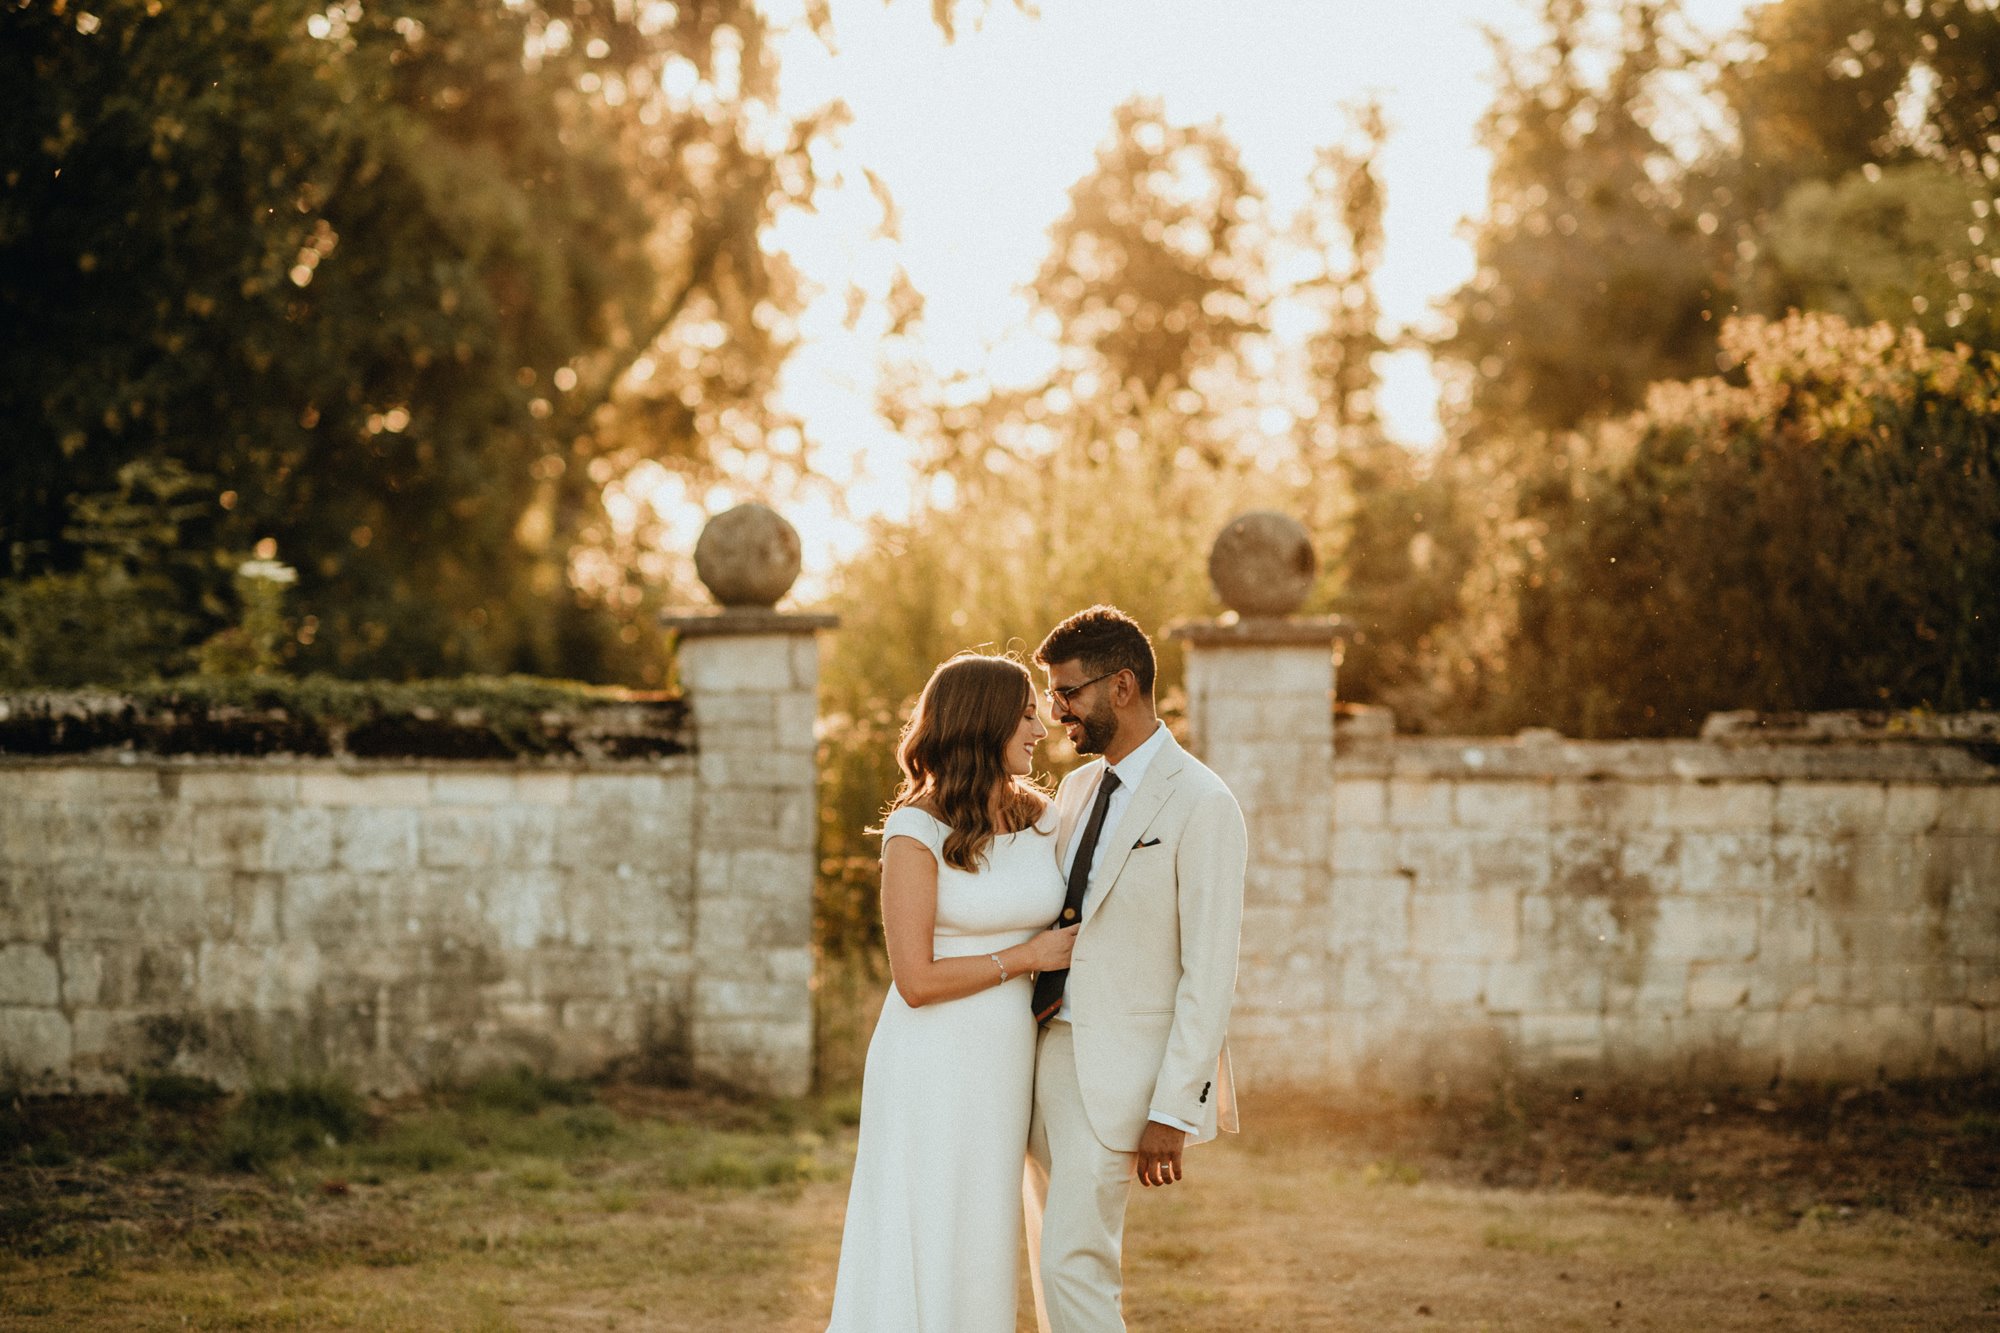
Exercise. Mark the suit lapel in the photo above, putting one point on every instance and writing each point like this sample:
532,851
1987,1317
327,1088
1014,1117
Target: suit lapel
1146,802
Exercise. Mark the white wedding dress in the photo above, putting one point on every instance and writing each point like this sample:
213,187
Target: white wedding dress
934,1213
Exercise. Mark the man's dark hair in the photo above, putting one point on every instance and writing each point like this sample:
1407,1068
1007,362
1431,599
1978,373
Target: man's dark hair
1103,639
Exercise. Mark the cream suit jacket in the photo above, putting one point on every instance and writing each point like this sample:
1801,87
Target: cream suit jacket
1154,970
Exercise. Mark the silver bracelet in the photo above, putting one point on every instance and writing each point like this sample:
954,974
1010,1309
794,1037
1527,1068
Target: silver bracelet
1002,966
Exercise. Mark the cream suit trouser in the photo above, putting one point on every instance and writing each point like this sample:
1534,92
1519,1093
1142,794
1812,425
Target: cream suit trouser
1075,1190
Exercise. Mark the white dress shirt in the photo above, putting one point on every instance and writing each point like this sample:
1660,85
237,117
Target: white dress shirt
1131,771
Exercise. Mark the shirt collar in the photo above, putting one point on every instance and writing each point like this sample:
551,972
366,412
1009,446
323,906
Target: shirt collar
1131,770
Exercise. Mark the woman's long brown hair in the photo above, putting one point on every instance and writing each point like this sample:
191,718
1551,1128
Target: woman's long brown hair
952,753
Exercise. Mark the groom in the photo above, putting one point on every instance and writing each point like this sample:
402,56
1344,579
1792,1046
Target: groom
1131,1064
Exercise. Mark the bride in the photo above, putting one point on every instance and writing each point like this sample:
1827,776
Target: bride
969,883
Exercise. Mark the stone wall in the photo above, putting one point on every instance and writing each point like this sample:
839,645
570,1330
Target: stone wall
1701,910
1817,899
411,921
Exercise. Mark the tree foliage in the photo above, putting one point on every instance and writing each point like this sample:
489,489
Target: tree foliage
401,284
1821,530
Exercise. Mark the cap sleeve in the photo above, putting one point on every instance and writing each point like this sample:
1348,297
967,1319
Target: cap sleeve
910,822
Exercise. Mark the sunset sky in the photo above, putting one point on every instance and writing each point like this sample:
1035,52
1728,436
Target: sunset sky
979,140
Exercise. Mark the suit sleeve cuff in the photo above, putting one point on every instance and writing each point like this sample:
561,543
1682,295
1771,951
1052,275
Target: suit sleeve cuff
1172,1122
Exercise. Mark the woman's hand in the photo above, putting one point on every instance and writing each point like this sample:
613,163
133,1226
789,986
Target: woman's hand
1050,950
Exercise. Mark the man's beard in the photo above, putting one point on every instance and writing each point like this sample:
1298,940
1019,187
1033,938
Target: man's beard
1099,726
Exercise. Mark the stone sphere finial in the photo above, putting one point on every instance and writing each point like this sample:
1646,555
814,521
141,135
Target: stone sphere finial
748,556
1262,564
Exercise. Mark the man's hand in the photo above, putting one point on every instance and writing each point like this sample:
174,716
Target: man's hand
1158,1160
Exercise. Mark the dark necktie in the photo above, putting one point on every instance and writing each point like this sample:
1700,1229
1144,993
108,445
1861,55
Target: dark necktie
1049,985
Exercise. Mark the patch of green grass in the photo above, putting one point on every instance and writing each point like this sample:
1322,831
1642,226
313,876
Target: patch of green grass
522,1090
168,1091
301,1116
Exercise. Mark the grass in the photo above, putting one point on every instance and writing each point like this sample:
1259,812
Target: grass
525,1203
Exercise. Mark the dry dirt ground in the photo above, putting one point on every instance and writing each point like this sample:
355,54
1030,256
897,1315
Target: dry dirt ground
543,1207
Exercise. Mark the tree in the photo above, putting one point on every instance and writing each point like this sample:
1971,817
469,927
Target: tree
1901,244
1593,281
1152,268
401,284
1823,535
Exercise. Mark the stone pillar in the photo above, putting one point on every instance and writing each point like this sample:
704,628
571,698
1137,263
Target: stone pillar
1260,685
751,677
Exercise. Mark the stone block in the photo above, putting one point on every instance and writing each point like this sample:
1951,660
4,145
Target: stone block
1648,985
1788,931
646,839
238,786
729,767
736,664
298,838
1970,809
1542,982
1640,1044
457,838
794,721
1517,862
524,908
230,977
1908,808
752,925
746,817
773,1058
1959,871
36,1042
1502,805
152,831
1419,802
1718,805
230,837
524,835
24,904
407,790
1607,803
338,910
1720,985
1271,669
241,905
1705,929
1739,861
96,784
1900,938
1297,836
1364,850
1831,807
25,833
531,788
1552,1041
1454,984
1268,931
377,838
729,998
1651,857
805,661
29,976
1369,914
798,823
1359,802
490,788
1958,1037
1464,925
